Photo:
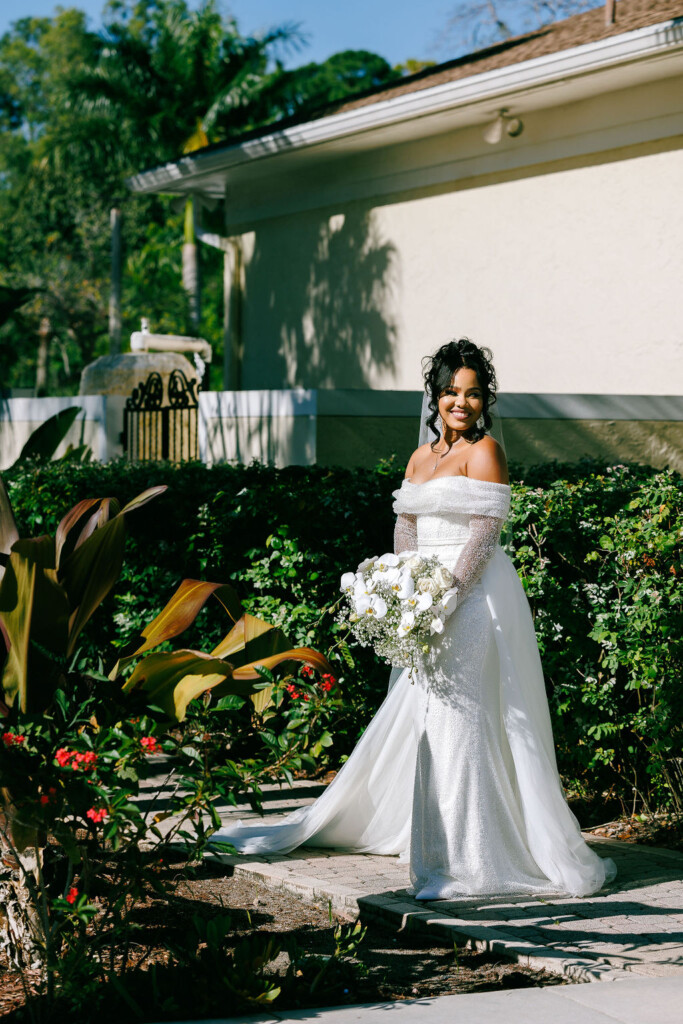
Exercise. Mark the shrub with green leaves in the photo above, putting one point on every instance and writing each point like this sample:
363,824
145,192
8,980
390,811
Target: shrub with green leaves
597,548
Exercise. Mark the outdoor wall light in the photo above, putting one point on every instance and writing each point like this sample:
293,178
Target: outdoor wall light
505,122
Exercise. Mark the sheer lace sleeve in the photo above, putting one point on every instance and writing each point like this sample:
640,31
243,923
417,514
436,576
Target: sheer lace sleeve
480,545
405,533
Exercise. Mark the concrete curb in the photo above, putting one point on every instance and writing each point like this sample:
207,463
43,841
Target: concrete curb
395,911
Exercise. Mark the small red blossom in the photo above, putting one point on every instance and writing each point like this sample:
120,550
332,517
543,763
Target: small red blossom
150,745
85,760
72,895
97,815
13,739
307,672
44,799
292,690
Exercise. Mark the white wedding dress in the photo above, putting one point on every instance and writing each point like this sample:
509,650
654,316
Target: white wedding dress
456,772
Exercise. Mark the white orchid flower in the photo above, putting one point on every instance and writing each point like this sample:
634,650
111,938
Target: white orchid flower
387,561
364,586
449,600
419,602
366,563
403,586
372,605
348,582
424,601
436,625
406,624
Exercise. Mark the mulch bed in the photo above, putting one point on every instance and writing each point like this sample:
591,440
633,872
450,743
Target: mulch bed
659,830
388,965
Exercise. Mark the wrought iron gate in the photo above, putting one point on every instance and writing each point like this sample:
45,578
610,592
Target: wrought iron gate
152,430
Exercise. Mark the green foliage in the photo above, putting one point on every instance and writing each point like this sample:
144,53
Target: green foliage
82,111
75,773
599,553
597,548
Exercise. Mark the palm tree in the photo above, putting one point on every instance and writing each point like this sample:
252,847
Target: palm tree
172,80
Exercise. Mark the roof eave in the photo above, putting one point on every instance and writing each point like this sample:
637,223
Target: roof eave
590,58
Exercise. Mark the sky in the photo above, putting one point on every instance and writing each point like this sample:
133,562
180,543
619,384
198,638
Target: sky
396,29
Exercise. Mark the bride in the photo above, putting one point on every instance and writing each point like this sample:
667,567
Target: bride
456,772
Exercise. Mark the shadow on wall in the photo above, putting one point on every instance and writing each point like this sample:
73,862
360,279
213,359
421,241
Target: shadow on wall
318,303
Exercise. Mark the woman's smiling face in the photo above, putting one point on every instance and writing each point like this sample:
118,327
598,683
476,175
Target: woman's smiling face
461,404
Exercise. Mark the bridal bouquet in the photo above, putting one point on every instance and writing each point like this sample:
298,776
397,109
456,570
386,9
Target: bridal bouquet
396,603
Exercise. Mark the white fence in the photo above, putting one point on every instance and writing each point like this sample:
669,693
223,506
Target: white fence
302,427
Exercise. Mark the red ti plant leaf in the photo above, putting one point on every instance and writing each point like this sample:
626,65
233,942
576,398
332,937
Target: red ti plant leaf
8,528
179,613
34,612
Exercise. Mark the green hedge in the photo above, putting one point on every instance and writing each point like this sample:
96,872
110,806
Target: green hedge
597,548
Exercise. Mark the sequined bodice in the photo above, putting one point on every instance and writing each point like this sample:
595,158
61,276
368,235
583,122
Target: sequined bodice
443,535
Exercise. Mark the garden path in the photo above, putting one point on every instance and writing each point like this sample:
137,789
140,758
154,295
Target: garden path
634,927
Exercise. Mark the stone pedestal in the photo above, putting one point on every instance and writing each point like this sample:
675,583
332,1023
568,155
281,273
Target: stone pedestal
119,374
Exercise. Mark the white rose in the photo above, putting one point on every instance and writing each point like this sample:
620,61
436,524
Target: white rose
426,585
443,577
414,562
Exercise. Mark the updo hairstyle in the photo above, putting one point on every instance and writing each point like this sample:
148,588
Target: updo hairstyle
439,369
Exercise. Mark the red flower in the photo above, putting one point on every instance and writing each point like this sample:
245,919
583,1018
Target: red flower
85,760
44,799
292,691
307,672
13,739
72,895
96,815
150,745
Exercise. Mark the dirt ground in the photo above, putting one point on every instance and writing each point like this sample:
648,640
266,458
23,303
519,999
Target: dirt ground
386,966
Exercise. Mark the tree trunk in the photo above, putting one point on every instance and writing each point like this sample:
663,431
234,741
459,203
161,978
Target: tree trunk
21,931
115,294
232,317
191,278
44,332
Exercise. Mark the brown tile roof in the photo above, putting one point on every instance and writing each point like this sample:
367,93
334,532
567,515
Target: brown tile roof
562,35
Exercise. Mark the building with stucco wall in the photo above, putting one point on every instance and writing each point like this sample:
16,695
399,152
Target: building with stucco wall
357,242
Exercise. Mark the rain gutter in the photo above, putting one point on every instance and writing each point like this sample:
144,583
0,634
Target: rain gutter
639,45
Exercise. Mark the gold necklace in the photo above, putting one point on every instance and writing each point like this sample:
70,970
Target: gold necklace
443,455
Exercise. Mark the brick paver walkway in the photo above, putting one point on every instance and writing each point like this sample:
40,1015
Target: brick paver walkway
634,927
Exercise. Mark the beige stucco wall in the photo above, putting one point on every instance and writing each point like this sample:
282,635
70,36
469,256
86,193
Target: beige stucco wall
363,441
567,263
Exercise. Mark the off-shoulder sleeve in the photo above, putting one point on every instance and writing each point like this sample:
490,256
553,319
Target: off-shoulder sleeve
453,494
